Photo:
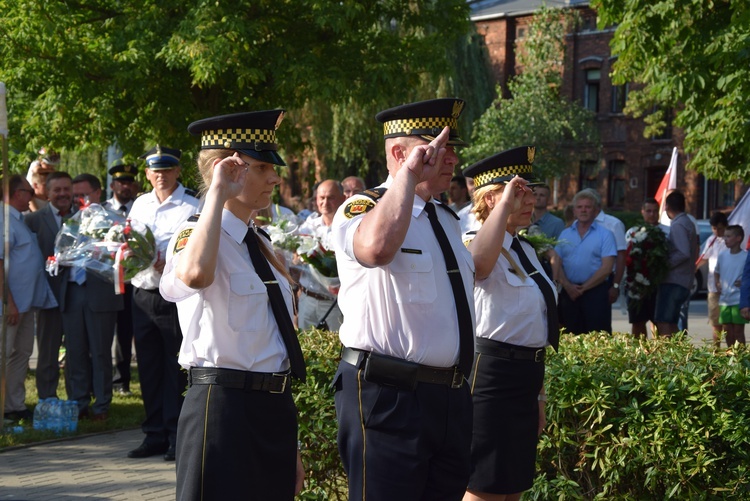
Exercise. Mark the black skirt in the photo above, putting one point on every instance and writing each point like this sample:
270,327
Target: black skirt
506,423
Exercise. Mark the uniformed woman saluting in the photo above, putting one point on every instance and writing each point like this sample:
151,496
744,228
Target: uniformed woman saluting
508,373
237,434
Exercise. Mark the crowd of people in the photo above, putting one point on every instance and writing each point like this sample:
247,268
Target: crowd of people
443,301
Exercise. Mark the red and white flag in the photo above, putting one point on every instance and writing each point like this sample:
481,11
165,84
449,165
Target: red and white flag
668,183
741,215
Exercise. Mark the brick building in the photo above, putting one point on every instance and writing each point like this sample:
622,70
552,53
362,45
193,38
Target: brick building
629,166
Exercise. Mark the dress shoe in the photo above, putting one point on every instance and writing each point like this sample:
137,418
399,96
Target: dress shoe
83,414
170,454
102,416
147,450
16,416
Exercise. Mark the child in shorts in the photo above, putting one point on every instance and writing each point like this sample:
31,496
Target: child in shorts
728,276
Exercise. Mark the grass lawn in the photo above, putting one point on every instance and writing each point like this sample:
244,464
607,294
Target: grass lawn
126,412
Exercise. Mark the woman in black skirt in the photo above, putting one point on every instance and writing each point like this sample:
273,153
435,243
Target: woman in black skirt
512,330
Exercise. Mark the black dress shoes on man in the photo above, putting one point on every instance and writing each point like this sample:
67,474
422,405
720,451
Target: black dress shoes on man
170,454
146,450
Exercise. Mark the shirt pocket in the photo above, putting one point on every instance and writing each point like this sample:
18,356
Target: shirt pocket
248,302
413,278
521,296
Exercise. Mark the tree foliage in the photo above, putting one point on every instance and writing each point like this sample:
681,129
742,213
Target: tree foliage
83,74
536,113
693,55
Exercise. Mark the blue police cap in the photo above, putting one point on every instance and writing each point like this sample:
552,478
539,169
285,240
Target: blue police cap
162,158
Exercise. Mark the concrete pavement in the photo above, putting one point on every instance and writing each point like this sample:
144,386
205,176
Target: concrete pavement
90,467
97,466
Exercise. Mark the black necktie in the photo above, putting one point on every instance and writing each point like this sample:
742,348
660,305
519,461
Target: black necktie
278,305
465,325
553,328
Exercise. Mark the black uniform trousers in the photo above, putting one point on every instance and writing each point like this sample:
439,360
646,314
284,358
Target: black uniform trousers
402,444
236,444
124,340
157,335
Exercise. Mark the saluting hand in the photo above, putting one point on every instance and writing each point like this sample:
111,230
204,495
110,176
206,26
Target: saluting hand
229,176
514,192
424,160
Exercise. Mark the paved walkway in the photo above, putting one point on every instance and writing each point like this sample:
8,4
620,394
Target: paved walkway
89,467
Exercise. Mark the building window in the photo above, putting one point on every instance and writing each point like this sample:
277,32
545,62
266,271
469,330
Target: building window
589,175
617,182
521,33
666,134
619,98
591,90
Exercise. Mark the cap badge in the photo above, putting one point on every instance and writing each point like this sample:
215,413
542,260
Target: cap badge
530,154
458,106
279,120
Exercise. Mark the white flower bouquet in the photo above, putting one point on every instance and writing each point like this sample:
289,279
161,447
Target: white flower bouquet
104,242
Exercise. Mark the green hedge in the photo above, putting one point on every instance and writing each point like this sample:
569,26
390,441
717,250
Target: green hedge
627,419
640,420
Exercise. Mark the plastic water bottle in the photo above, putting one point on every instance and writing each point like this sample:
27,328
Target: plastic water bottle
40,414
71,415
55,422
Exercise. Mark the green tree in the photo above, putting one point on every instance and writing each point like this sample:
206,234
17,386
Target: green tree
83,74
693,56
536,113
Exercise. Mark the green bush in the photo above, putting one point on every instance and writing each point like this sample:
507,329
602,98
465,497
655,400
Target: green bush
324,475
631,419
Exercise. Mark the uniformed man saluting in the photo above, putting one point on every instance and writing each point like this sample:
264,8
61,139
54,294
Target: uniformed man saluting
403,408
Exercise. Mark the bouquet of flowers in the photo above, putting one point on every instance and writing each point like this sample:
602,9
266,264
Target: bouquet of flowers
647,262
538,240
283,233
321,259
105,243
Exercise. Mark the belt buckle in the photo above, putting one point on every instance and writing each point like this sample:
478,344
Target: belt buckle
283,385
539,355
458,378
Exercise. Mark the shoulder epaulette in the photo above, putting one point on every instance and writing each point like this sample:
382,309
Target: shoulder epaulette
192,193
361,206
450,211
472,232
194,217
261,231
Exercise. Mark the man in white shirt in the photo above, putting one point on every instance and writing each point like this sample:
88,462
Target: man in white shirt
155,325
317,298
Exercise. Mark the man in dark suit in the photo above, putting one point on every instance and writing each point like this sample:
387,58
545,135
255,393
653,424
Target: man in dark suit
45,223
89,309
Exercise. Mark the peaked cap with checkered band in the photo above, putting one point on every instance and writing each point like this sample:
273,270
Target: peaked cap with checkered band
252,133
502,167
162,158
425,119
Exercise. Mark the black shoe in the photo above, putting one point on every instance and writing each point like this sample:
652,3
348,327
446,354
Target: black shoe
147,450
170,454
25,415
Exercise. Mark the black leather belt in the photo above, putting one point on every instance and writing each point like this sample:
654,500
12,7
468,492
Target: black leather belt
271,382
508,351
448,376
315,295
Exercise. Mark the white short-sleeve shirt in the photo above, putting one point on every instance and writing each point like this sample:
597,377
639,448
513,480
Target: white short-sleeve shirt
406,308
230,323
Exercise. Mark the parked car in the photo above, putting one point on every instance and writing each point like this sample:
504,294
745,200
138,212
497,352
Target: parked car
700,286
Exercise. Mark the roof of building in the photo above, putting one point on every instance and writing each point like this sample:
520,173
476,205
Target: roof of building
490,9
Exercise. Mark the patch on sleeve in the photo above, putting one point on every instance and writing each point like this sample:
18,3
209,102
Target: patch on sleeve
182,240
358,207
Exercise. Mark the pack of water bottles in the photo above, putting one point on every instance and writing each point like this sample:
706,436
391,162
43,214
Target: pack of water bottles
60,416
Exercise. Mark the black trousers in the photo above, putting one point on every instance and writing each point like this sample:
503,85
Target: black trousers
590,312
400,444
157,334
124,340
236,444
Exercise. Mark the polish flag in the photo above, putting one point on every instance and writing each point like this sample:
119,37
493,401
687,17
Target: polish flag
741,215
668,183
